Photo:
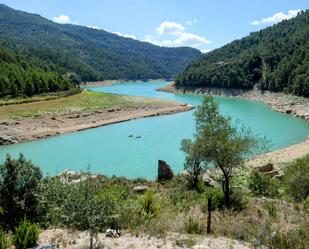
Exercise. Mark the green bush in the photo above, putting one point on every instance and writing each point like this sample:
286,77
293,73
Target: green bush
217,198
296,179
295,238
26,235
149,205
263,185
193,226
3,241
19,181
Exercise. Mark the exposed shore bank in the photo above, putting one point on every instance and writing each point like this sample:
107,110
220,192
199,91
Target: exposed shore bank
52,124
280,102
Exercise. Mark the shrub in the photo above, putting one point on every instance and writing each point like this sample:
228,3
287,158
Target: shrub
26,235
193,226
263,185
149,205
217,198
3,241
296,179
295,238
19,180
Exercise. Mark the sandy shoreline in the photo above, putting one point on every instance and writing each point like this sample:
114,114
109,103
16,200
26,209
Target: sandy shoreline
28,129
292,105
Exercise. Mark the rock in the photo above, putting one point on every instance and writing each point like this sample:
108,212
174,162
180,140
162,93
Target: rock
272,173
110,110
208,181
112,233
266,168
140,189
185,173
165,172
5,140
44,247
288,111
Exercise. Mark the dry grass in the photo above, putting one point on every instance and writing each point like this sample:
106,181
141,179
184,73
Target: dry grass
80,102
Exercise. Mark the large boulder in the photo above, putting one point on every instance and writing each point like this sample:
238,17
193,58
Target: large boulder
140,189
165,172
266,168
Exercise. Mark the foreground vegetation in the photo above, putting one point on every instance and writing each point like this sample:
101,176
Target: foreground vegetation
278,220
275,59
84,101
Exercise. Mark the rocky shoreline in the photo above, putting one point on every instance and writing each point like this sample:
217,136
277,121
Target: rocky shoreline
29,129
293,105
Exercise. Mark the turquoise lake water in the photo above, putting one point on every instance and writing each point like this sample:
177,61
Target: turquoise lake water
108,150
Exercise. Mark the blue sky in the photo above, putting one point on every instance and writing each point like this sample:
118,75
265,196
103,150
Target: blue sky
204,24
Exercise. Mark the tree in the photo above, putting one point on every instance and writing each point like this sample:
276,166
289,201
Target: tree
18,184
218,143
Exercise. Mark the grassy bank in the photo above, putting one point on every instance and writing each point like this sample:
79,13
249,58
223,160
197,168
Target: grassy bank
84,101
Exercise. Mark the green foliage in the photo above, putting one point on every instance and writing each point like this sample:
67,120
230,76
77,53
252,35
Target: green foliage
275,59
149,205
295,238
193,226
19,76
3,241
272,209
26,235
218,143
296,179
263,185
85,54
18,185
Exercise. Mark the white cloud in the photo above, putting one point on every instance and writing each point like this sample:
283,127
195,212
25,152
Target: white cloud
206,50
125,35
170,28
191,22
174,34
277,17
62,19
93,27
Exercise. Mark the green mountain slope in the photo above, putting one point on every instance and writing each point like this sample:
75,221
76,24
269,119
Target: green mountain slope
91,54
20,77
276,59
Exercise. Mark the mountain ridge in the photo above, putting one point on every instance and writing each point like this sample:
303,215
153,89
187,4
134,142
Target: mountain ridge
91,54
275,58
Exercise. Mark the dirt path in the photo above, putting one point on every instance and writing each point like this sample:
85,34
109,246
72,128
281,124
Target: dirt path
65,239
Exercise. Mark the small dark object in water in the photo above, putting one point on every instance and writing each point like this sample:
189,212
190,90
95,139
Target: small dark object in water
131,135
138,137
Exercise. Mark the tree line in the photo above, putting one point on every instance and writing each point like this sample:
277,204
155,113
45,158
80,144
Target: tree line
19,77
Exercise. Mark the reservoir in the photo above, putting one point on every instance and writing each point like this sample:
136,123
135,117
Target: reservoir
109,150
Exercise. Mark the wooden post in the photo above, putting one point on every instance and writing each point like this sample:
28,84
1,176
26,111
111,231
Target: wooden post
209,216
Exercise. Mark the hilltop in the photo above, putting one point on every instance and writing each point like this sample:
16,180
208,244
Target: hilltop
275,59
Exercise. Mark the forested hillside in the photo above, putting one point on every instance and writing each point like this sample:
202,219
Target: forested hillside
20,77
276,59
90,54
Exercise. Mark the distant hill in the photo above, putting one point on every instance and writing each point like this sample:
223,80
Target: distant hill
275,59
86,53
